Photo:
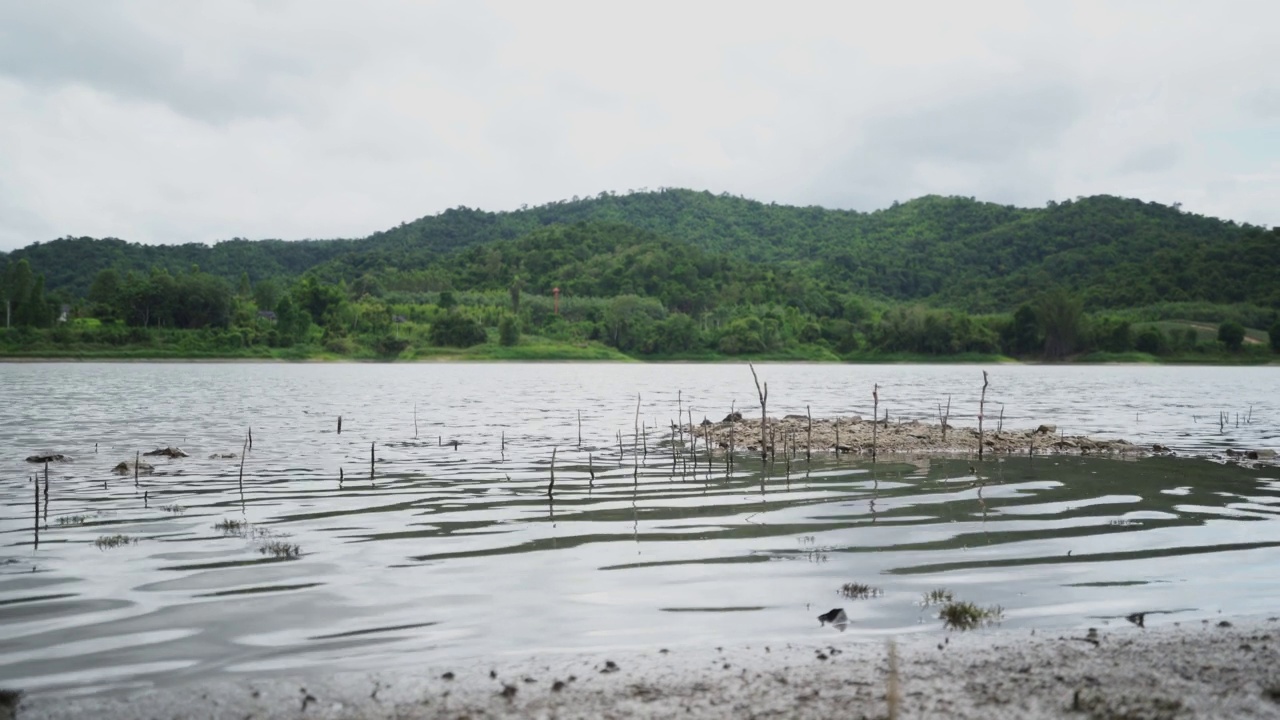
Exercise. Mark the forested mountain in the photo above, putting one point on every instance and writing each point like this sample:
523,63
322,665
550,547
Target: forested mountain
944,251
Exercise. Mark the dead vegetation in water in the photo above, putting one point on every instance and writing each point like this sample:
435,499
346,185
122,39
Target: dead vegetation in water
937,596
859,591
107,542
73,519
174,509
280,550
964,615
231,527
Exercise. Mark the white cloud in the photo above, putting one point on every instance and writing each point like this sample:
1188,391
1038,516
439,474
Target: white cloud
162,121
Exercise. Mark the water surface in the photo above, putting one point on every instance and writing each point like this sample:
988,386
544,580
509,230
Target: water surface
448,552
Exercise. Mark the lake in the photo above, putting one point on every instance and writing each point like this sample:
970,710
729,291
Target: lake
458,551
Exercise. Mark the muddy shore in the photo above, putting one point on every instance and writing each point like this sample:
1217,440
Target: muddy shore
1198,669
797,434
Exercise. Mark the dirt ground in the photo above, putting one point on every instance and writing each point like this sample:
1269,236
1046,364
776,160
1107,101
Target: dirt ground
1210,669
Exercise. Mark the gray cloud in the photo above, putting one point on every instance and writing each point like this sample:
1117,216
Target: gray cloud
163,121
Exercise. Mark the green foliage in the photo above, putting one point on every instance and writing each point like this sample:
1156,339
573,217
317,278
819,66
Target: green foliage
1150,340
453,329
508,331
1274,335
1231,334
1059,313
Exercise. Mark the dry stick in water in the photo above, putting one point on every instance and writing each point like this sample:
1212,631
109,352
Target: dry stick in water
341,476
981,404
764,418
371,459
251,438
591,469
551,486
808,442
679,413
693,442
415,421
339,424
579,428
644,438
1000,424
138,456
944,417
35,516
240,480
875,418
46,493
146,498
837,424
635,442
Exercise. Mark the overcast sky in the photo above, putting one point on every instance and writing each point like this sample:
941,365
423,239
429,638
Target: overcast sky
166,121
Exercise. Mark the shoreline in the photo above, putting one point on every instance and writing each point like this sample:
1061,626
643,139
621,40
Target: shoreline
1193,669
23,359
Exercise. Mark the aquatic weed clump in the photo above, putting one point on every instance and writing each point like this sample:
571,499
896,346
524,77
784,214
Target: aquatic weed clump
175,508
937,596
114,541
231,527
860,591
965,615
280,550
73,519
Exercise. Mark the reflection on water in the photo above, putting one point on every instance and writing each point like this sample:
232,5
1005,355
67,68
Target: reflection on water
442,550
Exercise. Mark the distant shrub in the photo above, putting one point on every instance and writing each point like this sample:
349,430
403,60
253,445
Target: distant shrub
1231,334
456,330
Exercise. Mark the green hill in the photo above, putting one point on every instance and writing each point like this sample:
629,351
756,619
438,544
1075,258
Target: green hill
943,251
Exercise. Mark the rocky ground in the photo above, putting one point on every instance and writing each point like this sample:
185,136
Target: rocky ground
853,435
1208,669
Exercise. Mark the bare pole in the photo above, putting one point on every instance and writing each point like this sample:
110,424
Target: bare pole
371,461
138,456
837,445
693,442
635,443
415,421
982,402
35,516
339,424
808,446
943,417
551,486
240,481
764,418
875,418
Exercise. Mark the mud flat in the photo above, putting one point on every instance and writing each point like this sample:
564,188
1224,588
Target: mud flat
856,436
1199,669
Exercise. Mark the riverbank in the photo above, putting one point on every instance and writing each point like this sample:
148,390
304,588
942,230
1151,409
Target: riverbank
1196,669
797,434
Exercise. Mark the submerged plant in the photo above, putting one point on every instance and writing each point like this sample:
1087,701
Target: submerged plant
231,527
967,616
280,550
114,541
937,596
859,591
73,519
176,509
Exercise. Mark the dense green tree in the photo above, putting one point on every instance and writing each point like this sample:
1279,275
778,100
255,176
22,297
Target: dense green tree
1231,334
508,330
1059,313
453,329
1150,340
1274,335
